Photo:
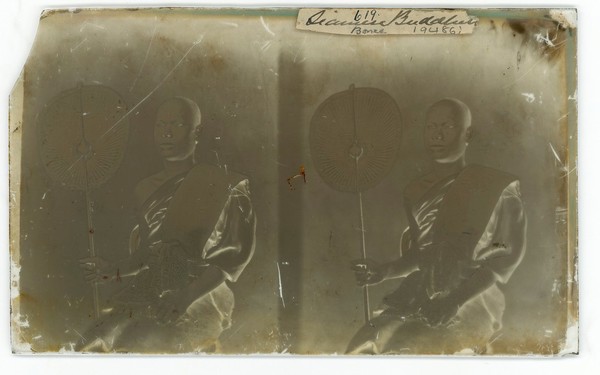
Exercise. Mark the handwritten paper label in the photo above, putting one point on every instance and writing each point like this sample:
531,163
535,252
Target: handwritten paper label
380,21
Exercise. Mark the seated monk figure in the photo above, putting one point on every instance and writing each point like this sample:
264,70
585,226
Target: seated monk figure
195,234
465,237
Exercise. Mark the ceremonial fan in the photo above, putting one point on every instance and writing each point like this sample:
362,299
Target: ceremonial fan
354,140
84,132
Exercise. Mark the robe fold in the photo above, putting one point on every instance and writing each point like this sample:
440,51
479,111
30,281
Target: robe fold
198,219
461,224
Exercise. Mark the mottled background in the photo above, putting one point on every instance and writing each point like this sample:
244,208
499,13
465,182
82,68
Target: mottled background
258,82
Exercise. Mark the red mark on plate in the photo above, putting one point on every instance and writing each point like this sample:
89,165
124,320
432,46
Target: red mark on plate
301,174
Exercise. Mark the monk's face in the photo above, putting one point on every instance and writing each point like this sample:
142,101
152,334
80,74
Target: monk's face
174,134
446,134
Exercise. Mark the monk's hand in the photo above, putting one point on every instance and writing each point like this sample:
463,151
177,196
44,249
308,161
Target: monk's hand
439,311
96,269
367,272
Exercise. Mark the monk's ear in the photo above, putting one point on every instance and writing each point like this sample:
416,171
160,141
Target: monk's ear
198,131
469,134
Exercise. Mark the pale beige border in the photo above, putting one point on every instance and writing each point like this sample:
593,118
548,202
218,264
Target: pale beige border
15,122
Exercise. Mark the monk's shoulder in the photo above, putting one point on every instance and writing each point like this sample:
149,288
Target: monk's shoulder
488,175
217,175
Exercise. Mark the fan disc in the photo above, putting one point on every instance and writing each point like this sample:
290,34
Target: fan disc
355,137
81,146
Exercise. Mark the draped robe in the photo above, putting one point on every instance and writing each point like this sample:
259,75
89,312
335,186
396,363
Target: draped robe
463,223
198,219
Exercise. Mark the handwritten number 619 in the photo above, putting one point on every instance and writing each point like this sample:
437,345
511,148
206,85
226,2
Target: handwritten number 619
365,15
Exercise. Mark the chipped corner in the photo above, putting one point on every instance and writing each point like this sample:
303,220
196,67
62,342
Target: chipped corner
18,322
566,18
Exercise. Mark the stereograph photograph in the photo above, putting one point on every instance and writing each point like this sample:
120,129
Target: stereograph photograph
307,182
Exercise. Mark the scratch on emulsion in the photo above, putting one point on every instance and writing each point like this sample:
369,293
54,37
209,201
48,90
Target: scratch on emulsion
86,24
562,117
79,334
156,88
563,167
532,66
571,171
262,21
280,285
265,46
232,24
145,58
144,98
73,49
556,154
297,51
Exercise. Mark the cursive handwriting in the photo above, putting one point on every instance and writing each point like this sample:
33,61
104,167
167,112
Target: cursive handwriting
404,17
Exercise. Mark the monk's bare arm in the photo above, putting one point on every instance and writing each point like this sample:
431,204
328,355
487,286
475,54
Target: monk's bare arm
98,269
369,272
400,267
131,265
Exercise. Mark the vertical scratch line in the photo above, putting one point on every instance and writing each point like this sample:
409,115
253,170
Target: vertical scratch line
145,59
555,154
280,286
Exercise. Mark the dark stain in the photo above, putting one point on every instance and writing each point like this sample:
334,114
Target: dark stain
217,62
301,174
517,26
546,35
26,298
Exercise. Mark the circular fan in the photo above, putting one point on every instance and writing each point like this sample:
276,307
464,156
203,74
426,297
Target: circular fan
84,133
354,140
355,137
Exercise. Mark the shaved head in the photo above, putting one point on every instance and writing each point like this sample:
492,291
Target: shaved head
177,128
447,130
460,111
188,109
